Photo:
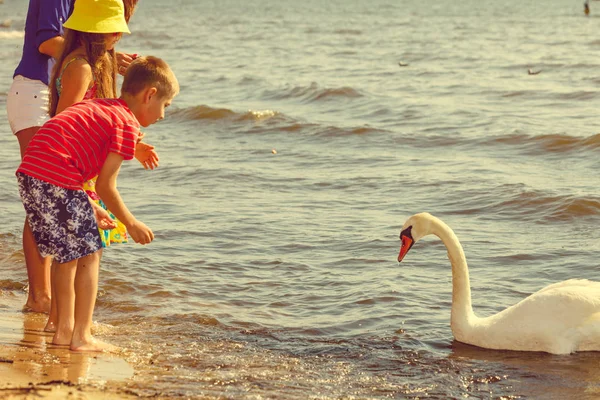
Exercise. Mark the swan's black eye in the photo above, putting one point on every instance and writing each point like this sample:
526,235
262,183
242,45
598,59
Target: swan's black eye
407,232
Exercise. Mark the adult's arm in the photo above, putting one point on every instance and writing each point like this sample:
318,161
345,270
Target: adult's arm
50,17
52,47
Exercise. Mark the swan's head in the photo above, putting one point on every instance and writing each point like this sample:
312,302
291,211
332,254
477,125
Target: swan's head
414,228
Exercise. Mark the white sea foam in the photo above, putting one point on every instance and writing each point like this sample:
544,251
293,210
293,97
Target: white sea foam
11,34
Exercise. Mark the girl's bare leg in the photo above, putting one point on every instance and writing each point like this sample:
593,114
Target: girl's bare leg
64,286
52,317
86,289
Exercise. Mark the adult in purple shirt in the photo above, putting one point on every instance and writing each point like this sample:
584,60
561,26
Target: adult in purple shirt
27,109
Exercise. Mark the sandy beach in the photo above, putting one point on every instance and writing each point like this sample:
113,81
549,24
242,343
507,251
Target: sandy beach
31,367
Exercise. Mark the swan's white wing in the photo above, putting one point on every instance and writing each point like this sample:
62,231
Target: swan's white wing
555,319
570,283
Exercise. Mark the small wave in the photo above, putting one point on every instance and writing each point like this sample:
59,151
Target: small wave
248,80
268,121
578,95
520,93
203,112
527,205
538,145
526,66
585,66
272,121
11,34
434,140
7,284
208,113
312,93
551,208
337,92
334,131
285,124
348,32
553,143
342,53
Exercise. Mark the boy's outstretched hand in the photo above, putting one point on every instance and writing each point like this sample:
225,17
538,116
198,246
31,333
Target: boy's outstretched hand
146,155
103,218
140,233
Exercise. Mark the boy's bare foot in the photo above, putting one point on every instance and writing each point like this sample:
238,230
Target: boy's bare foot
93,345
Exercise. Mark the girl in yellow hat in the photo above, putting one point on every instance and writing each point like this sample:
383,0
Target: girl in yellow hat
87,69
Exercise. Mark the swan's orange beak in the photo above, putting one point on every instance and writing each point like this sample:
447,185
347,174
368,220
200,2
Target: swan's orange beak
407,242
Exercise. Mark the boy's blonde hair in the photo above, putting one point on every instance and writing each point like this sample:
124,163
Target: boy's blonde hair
150,71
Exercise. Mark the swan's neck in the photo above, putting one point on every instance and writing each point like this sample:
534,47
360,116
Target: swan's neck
462,310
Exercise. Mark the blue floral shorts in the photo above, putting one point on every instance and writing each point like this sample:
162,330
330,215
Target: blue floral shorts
62,220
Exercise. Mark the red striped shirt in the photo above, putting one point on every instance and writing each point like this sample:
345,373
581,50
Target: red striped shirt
71,148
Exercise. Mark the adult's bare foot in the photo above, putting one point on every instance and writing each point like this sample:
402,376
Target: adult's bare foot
41,304
94,345
50,326
62,338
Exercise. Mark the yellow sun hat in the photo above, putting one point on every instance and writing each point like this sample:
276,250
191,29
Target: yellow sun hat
98,16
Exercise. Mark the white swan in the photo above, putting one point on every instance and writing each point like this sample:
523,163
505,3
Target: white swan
561,318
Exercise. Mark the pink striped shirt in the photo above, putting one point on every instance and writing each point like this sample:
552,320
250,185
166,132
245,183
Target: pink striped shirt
71,148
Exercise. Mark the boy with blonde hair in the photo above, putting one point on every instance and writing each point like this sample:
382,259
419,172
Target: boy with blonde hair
88,139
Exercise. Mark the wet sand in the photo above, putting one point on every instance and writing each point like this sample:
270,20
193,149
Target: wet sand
31,367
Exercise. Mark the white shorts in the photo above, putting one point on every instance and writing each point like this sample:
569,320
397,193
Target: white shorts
26,104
